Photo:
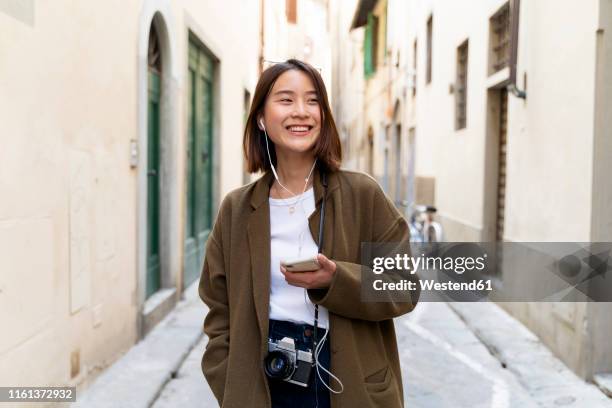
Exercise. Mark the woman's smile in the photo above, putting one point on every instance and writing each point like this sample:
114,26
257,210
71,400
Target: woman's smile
299,130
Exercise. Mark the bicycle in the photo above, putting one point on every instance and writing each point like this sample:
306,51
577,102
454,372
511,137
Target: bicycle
423,227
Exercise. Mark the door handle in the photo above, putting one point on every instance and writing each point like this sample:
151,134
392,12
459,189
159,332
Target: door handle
152,172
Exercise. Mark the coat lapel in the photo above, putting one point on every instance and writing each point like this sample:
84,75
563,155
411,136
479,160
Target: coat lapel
258,231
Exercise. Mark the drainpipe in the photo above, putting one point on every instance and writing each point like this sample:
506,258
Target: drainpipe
515,6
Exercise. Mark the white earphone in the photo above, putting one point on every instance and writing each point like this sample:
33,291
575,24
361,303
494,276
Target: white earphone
262,125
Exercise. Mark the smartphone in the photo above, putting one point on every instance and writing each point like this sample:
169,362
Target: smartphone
301,264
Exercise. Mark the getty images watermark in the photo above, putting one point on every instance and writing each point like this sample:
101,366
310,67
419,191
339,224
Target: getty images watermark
481,271
411,264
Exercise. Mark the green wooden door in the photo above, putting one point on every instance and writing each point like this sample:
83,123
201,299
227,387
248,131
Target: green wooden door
199,161
153,259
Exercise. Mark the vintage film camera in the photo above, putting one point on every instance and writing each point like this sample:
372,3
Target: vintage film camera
285,362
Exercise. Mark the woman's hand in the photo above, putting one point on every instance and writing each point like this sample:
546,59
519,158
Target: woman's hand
319,279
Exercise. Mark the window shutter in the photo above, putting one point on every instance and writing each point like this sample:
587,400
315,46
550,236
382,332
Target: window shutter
369,48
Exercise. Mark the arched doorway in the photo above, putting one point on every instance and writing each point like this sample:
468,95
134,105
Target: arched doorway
159,243
154,78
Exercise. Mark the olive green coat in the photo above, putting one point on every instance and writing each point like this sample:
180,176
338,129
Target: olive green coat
235,284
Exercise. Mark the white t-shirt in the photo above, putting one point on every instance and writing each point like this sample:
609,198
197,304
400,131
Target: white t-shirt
288,302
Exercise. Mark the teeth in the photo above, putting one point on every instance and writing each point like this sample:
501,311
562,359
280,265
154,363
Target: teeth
298,128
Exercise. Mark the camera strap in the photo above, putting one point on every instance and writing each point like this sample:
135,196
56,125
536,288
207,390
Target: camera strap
321,224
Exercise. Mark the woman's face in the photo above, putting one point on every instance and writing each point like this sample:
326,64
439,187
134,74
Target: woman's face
292,114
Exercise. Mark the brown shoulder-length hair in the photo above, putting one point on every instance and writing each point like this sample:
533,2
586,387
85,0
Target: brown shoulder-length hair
327,148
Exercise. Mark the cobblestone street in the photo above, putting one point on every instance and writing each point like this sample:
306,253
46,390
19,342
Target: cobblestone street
452,356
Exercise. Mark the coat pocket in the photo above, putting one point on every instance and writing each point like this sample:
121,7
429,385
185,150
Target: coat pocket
378,381
382,390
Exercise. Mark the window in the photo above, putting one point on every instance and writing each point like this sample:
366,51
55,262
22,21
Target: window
291,10
370,46
429,46
499,34
461,86
375,41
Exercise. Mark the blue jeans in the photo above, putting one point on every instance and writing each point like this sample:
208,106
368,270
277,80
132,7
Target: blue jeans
285,394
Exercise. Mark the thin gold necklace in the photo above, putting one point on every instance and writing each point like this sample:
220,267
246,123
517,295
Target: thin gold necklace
298,198
292,205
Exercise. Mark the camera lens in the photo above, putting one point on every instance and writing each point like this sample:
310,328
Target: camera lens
278,366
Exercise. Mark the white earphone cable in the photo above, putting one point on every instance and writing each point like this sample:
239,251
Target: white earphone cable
319,365
276,174
319,346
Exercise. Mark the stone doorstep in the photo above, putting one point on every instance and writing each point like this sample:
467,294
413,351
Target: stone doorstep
136,379
156,308
604,382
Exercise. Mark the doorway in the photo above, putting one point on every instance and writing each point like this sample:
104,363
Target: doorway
199,178
495,173
154,72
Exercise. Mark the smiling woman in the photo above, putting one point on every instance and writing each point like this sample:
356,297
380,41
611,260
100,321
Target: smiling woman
289,94
285,338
